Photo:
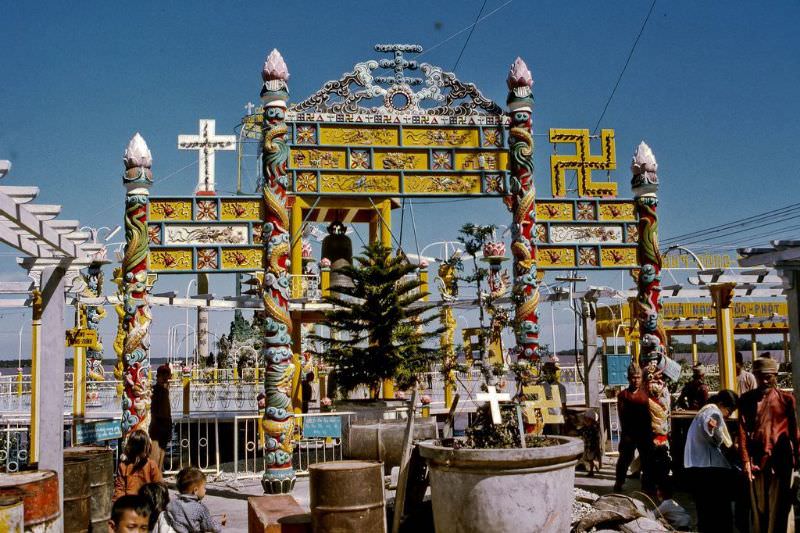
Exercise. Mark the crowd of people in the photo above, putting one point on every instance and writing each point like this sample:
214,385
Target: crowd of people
142,500
741,471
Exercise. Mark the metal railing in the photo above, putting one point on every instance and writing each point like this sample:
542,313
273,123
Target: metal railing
248,455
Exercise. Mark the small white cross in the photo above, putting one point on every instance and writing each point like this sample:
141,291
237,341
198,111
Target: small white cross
494,400
206,143
249,107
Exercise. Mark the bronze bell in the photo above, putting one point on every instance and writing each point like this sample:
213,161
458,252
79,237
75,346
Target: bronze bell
338,249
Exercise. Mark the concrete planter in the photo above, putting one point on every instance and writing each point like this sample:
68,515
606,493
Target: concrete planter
513,490
383,441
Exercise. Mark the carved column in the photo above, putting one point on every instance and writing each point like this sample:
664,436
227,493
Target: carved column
136,319
648,282
278,422
93,279
522,205
722,296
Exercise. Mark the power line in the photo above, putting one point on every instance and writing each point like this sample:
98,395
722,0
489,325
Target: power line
474,24
625,67
760,217
737,232
462,30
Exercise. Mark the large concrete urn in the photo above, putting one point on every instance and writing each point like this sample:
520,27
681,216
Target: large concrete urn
505,490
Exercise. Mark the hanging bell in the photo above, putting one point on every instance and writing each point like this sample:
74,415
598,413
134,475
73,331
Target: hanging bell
338,249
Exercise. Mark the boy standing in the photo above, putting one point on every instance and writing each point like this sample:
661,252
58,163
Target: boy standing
186,513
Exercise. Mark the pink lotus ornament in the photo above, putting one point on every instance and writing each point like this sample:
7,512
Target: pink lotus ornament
519,78
425,400
275,67
423,264
137,154
325,263
307,251
494,249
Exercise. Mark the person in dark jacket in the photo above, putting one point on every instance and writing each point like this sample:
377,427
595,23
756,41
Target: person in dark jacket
634,419
160,430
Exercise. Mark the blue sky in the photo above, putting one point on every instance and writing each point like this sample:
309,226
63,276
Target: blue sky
712,89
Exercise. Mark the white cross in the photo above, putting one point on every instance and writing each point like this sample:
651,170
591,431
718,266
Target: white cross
494,400
206,143
249,107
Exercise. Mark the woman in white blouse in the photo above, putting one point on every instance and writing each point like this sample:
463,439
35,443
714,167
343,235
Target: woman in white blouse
711,475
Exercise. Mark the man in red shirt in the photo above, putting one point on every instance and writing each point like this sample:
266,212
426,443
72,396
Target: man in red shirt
768,444
634,420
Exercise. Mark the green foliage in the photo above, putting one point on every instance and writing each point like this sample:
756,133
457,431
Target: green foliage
377,328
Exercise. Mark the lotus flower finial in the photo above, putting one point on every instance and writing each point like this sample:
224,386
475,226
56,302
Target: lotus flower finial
519,76
137,154
275,67
644,168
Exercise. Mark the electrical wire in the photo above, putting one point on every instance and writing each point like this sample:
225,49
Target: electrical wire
474,24
625,67
459,32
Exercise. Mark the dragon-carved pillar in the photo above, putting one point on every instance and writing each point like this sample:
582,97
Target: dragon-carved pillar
136,319
648,282
522,202
278,421
93,280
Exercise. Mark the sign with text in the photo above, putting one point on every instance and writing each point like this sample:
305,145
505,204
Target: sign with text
81,338
319,427
97,431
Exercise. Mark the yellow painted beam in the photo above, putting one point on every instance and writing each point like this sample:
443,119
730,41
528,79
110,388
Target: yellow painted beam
695,357
297,346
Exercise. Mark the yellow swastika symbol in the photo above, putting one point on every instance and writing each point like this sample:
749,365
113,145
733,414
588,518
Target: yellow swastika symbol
583,163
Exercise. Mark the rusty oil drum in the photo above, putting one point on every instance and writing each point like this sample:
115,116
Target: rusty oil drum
347,496
77,498
101,482
40,497
12,512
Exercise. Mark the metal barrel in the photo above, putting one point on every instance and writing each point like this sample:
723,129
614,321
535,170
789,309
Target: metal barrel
12,512
347,496
40,497
101,482
76,494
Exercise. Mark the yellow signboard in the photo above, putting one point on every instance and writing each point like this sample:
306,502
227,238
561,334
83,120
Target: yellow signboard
81,338
707,260
695,310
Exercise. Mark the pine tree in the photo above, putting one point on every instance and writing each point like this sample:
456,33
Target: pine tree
378,325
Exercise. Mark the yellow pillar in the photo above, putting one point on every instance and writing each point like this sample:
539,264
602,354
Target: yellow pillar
388,389
297,347
722,296
373,229
19,382
695,356
36,353
386,223
753,345
296,253
186,381
79,370
325,281
633,330
79,383
423,277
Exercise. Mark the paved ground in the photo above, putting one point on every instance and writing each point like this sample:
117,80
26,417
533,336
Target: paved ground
231,499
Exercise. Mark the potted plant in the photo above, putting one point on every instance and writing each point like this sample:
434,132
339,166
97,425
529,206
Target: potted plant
490,481
378,330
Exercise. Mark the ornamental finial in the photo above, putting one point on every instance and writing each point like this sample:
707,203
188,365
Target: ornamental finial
275,67
275,92
137,154
519,77
520,81
644,167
